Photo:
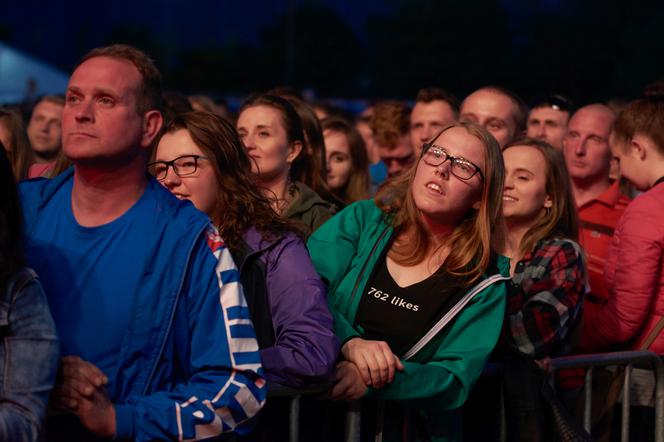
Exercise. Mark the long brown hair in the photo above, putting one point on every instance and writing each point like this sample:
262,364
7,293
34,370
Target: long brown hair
471,240
19,150
359,180
240,203
561,220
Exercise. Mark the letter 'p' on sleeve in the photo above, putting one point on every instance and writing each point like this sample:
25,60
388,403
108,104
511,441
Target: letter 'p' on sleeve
225,388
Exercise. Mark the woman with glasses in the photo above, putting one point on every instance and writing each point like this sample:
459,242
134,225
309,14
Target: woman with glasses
271,131
417,295
200,158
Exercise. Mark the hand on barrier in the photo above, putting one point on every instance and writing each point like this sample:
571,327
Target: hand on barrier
374,360
349,385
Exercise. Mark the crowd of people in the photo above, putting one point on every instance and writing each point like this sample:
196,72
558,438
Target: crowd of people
166,265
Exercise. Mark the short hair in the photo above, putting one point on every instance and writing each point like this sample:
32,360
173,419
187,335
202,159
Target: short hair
431,94
390,121
148,95
174,104
554,101
521,114
643,116
55,99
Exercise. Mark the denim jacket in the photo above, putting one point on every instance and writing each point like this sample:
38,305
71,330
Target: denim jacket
28,357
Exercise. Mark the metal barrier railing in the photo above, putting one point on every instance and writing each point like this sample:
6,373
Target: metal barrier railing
627,359
353,414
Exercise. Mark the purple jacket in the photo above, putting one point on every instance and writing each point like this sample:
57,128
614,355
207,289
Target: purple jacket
288,306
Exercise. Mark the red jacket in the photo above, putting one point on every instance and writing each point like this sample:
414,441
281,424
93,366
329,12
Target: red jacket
634,277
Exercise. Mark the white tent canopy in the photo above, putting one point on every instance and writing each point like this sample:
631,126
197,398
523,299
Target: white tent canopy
23,77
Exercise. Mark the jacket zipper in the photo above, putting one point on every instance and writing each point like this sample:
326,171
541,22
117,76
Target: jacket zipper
364,267
175,304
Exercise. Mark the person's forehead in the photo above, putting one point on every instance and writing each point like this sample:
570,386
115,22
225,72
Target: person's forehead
488,103
400,150
106,72
438,109
548,113
261,115
592,121
521,156
46,106
458,142
176,144
335,140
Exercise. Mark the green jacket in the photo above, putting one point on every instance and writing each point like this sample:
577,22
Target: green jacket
438,378
308,208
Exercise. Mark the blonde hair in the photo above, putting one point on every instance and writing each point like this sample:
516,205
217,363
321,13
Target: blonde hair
470,242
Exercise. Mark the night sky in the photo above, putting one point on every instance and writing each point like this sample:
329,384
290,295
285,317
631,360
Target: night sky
590,50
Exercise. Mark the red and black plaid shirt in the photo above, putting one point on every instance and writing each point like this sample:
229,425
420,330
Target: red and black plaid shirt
544,299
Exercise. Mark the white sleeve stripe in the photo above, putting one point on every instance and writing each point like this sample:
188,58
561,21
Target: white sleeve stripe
189,401
178,418
247,401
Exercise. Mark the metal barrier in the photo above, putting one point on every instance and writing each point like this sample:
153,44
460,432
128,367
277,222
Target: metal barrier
353,415
628,359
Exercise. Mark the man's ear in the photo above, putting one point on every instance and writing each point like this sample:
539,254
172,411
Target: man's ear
294,151
152,123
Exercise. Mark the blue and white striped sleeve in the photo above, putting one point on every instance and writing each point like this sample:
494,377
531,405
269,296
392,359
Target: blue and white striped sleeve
224,386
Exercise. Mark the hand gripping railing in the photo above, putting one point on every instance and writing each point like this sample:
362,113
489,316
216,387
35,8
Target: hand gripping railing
627,359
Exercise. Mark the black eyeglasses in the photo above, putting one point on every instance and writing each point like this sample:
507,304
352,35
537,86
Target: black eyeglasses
182,166
461,168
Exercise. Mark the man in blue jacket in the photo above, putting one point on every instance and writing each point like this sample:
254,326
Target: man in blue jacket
155,332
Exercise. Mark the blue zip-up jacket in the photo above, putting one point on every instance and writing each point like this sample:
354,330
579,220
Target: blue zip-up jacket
188,366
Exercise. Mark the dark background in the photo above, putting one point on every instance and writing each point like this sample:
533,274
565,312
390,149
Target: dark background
588,49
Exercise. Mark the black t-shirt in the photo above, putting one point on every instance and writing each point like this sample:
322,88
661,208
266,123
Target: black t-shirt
400,316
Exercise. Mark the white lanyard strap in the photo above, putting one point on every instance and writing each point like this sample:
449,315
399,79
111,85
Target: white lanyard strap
447,318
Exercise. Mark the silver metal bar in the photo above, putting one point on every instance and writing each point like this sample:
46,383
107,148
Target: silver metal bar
659,400
380,421
294,419
624,436
353,422
588,399
637,358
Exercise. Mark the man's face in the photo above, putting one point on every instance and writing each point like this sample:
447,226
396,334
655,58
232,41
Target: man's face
586,145
399,158
427,120
493,110
100,123
548,124
45,128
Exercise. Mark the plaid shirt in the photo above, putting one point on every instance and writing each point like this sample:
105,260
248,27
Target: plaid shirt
544,298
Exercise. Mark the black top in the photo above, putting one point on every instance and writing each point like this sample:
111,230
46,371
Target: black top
400,316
